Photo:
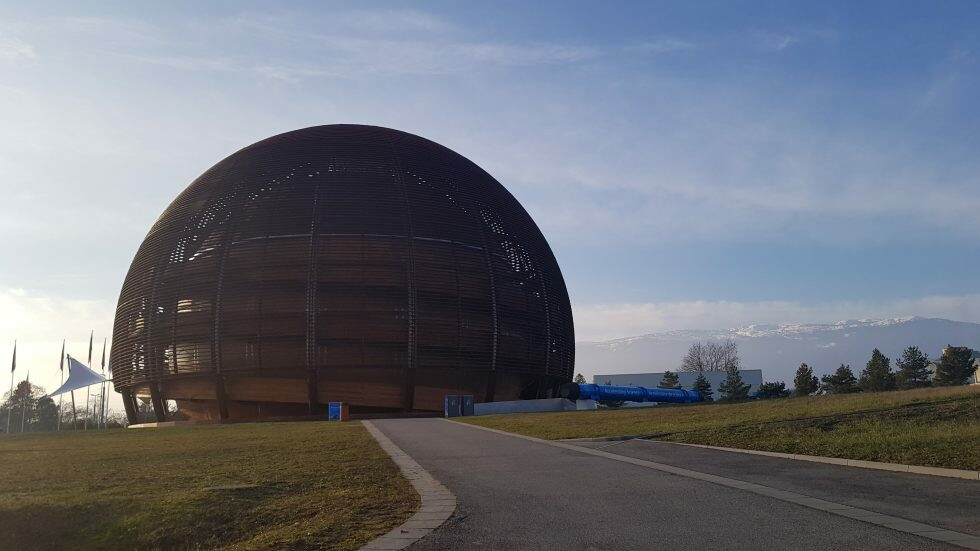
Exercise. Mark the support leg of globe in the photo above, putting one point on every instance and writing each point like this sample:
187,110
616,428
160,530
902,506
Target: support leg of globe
340,263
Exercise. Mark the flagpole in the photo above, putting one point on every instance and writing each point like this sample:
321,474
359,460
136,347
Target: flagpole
23,409
88,394
61,368
102,396
74,413
108,383
13,367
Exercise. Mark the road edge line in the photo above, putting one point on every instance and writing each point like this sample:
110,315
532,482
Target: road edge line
898,524
437,502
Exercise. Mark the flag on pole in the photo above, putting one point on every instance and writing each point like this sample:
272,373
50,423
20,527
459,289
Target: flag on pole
90,336
13,363
103,352
61,366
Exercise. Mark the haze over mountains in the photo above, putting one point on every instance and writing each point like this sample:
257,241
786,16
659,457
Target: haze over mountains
778,350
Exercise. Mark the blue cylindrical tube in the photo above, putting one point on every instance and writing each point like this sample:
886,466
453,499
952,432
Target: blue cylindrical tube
635,394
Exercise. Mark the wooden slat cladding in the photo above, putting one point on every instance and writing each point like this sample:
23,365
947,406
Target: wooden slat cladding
377,266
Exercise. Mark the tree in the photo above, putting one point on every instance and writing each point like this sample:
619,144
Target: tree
29,401
728,355
669,380
732,389
877,375
702,385
775,389
955,367
841,381
805,383
913,369
696,359
711,356
579,379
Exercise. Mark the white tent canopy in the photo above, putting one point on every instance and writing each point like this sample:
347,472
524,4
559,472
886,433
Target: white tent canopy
79,376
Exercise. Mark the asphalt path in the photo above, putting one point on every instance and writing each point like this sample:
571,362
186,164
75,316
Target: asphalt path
519,494
950,503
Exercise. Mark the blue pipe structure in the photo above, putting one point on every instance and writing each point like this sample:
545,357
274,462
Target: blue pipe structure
574,391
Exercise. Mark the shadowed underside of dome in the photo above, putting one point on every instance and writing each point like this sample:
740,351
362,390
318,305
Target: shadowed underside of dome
341,263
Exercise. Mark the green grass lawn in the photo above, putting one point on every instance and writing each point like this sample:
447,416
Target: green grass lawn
250,486
934,426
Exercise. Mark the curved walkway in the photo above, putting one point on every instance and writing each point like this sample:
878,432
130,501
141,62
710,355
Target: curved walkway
437,503
521,493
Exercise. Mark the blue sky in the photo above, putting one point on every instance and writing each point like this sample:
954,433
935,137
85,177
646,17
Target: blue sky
693,165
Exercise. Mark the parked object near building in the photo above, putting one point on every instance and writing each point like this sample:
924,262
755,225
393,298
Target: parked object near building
338,411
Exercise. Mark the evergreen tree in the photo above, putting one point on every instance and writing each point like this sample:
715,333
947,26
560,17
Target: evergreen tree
955,367
669,380
702,385
841,382
913,369
775,389
805,382
579,379
732,389
877,375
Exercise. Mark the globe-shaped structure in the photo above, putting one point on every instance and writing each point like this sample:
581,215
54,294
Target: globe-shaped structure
343,263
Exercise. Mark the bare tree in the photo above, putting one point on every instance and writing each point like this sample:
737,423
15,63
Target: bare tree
716,356
695,360
711,356
729,356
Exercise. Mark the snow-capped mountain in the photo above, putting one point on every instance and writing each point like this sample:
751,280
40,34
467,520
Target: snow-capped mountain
778,350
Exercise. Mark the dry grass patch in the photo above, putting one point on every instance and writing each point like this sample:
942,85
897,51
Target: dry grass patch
931,426
249,486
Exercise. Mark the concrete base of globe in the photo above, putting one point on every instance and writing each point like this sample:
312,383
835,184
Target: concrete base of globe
207,398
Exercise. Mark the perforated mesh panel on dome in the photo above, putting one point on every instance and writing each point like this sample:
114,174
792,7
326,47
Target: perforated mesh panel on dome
350,262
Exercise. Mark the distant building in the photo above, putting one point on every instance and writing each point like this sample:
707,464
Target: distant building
975,356
752,377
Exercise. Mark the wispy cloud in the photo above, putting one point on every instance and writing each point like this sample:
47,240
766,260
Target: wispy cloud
662,45
350,57
14,51
350,44
775,41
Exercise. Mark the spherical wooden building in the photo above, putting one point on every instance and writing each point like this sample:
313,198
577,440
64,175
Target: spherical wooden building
341,263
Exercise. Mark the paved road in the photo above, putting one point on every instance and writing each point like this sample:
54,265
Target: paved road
949,503
518,494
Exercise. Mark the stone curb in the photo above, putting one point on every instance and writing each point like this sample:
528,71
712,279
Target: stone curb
438,503
899,524
897,467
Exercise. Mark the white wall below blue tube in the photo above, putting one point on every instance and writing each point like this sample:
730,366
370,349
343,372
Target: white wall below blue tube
532,406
